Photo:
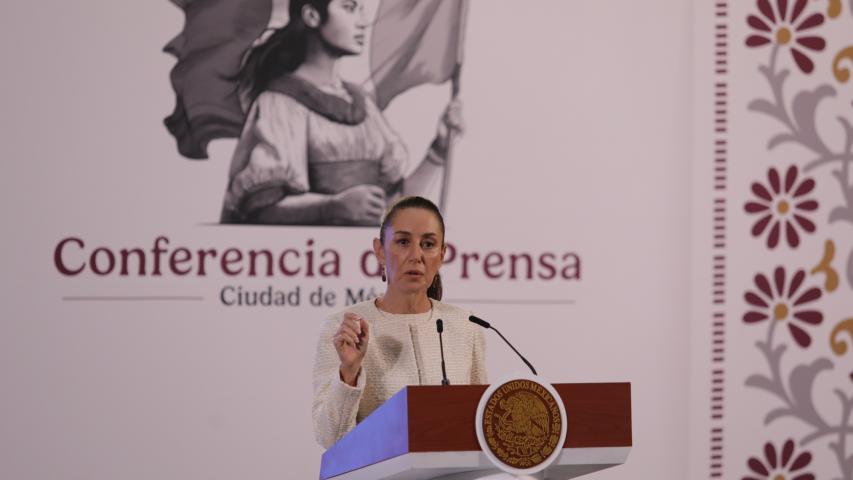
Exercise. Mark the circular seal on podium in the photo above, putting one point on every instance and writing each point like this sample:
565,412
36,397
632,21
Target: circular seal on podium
521,425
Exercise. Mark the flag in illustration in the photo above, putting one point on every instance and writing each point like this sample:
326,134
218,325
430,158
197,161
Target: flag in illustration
210,49
413,42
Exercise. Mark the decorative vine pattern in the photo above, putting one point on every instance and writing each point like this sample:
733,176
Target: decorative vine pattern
783,211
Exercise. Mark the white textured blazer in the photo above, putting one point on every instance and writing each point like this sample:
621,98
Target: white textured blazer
403,349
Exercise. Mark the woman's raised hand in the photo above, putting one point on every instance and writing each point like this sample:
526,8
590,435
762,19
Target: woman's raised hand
350,342
360,205
452,120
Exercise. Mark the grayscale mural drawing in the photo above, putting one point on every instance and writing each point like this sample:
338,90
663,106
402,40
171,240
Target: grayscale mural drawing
314,148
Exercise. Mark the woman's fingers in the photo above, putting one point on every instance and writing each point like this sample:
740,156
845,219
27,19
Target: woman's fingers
350,334
353,331
360,204
376,200
453,116
352,322
346,341
350,341
349,328
365,330
376,192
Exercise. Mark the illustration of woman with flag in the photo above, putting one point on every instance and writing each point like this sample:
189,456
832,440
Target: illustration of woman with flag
314,149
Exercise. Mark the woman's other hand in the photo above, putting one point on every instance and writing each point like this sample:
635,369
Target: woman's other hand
350,342
452,121
451,124
358,205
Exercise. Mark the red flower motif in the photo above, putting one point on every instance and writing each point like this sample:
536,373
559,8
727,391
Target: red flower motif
778,463
774,207
783,303
781,26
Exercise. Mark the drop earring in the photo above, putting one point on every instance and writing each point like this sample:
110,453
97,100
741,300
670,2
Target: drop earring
384,279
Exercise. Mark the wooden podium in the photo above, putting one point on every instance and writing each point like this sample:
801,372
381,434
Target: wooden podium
428,432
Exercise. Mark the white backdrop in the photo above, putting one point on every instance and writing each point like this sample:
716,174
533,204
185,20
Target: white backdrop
578,140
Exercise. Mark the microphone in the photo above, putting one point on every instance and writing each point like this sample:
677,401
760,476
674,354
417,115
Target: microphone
439,325
485,324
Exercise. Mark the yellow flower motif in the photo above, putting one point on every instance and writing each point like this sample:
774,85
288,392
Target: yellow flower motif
783,36
780,312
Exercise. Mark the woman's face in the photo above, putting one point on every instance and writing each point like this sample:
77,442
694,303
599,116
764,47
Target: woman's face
344,29
413,250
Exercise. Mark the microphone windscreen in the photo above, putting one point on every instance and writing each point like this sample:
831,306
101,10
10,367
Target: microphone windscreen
439,325
479,321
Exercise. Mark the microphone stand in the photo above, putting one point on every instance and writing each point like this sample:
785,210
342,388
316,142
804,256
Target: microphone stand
486,325
439,325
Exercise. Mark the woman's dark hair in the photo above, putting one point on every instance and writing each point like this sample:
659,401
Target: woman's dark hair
283,52
434,291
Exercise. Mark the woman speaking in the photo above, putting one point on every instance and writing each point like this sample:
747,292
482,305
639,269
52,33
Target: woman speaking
371,350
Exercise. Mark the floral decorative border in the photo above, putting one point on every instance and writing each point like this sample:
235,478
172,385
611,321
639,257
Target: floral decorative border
784,210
